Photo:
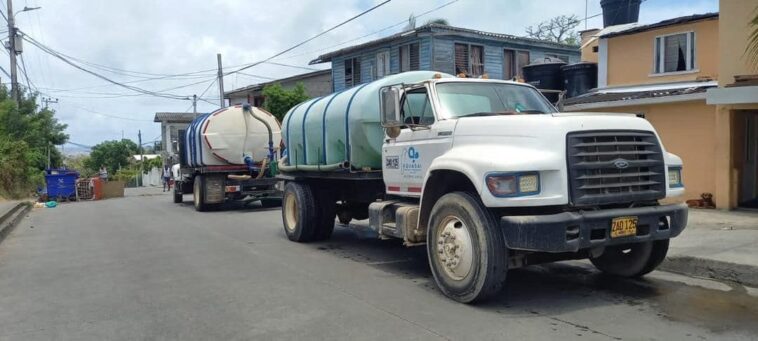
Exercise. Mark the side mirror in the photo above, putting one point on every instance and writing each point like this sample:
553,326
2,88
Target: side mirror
390,107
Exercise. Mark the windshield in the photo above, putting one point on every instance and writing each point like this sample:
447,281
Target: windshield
462,99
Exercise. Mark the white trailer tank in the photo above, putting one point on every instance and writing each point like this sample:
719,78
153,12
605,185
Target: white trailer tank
227,136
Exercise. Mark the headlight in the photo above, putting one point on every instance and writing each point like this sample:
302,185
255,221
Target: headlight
675,177
513,184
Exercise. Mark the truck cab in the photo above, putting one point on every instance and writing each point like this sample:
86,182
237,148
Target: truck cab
489,176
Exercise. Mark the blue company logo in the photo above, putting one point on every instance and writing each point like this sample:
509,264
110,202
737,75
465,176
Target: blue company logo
412,154
620,163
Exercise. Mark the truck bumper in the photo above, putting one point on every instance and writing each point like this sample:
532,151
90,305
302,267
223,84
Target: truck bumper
572,231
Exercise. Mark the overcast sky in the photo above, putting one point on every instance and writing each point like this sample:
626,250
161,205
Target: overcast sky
173,37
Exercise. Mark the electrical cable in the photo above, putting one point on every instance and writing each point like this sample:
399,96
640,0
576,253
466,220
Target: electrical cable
310,39
405,21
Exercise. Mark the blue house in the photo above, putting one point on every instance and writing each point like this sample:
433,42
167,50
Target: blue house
441,48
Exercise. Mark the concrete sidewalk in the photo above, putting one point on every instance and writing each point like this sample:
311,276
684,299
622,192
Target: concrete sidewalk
717,244
11,212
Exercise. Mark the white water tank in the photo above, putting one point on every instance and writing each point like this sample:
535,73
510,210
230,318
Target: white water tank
226,136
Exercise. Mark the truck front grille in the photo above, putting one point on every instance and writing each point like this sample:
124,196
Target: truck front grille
609,167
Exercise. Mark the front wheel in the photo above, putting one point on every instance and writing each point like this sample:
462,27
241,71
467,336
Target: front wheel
632,260
467,252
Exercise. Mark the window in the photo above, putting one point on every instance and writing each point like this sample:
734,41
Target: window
469,60
562,57
352,72
409,57
513,62
458,99
382,64
675,52
416,108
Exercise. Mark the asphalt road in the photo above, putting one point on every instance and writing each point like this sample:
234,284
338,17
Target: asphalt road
143,268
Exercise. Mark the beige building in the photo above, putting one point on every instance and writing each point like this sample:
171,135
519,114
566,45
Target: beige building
690,78
316,84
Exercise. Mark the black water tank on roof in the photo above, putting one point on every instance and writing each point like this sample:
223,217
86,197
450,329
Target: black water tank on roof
545,74
579,78
617,12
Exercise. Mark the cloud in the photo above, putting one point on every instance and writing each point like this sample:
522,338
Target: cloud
170,37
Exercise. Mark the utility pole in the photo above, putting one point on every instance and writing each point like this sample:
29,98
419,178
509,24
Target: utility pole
220,79
12,52
194,105
48,100
141,158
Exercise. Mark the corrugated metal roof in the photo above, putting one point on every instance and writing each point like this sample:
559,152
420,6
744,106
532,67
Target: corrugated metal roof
669,22
258,86
640,92
442,29
175,116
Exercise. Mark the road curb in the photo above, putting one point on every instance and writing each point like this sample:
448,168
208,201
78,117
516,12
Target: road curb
708,268
10,219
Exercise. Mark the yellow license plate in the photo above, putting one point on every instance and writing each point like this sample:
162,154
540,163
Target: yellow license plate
623,227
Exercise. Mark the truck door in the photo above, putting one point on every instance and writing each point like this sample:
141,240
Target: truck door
408,156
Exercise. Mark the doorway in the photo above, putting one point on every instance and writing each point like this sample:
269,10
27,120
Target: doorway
748,178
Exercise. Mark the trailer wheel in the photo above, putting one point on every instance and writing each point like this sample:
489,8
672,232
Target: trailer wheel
326,214
467,253
178,196
299,212
198,194
631,260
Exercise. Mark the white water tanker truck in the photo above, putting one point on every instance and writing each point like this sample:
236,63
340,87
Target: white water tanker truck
228,155
485,173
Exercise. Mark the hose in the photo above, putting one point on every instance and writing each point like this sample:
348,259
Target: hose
263,169
311,168
248,108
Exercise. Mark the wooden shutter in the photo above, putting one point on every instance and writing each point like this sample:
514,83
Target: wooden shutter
348,73
405,58
522,59
477,60
356,71
461,59
509,64
414,57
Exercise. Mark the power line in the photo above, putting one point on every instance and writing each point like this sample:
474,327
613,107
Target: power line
310,39
405,21
69,62
294,66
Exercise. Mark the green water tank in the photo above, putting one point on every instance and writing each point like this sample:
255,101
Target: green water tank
343,126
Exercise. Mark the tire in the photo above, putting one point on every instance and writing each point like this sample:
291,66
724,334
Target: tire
631,260
198,194
459,221
178,196
299,212
660,249
326,214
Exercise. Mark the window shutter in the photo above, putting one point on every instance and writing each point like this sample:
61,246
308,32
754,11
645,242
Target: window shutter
414,57
356,71
405,60
477,61
508,64
348,73
461,59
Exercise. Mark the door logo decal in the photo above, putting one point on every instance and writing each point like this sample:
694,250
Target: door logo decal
410,165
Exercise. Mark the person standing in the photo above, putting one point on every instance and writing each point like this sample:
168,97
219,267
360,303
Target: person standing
103,173
166,178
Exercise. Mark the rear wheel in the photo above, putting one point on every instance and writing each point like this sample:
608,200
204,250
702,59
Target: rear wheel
299,213
326,215
632,260
467,252
198,194
178,196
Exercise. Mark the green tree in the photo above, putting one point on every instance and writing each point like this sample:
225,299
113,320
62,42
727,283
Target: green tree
279,100
559,29
114,155
27,134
